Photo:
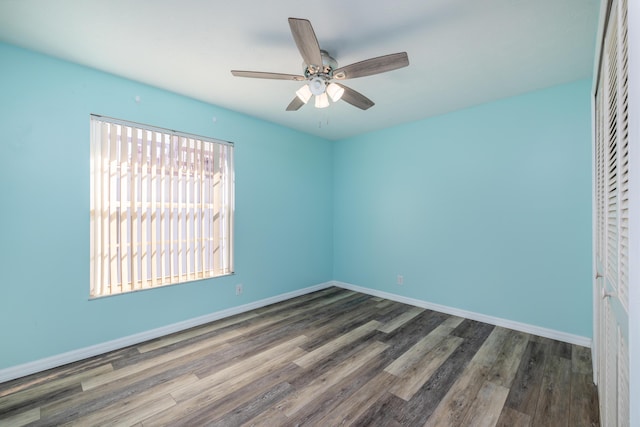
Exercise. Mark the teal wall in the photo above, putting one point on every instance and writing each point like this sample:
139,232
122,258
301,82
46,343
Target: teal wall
283,208
487,209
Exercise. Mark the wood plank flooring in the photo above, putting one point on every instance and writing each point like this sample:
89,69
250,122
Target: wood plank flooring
330,358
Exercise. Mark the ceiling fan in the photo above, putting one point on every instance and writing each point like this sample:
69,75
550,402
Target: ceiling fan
320,70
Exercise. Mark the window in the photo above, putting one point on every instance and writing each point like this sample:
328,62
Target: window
161,207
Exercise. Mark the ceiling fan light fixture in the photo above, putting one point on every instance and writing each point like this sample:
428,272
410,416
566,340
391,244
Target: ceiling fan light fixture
322,100
304,93
335,92
317,86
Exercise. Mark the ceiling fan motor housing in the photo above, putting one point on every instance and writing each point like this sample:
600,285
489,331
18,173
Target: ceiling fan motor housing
325,69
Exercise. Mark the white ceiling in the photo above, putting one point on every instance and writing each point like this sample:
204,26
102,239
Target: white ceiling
461,52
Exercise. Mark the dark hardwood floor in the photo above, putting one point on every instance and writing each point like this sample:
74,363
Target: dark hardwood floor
333,357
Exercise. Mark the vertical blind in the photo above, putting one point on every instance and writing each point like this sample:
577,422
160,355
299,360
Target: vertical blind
161,207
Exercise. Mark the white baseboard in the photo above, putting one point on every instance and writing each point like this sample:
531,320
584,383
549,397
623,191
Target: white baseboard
18,371
29,368
505,323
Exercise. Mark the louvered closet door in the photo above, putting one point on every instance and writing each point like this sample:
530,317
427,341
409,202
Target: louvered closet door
612,220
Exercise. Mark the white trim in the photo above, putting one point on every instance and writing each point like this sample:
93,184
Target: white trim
602,16
595,300
510,324
18,371
594,229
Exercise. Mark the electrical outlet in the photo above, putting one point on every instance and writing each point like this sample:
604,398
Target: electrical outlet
239,289
400,280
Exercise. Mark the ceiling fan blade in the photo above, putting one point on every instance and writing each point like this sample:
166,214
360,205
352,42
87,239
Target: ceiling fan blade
306,41
263,75
295,104
372,66
356,98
